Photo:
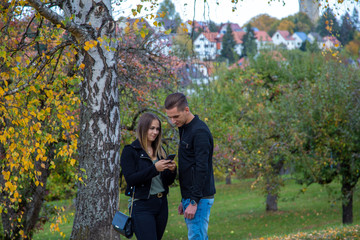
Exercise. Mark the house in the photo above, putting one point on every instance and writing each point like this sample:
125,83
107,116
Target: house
197,25
299,37
234,28
263,40
330,42
283,37
208,45
192,72
315,37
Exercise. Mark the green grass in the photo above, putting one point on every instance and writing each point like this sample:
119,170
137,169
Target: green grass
239,213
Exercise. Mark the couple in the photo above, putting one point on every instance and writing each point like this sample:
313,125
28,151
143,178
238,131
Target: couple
145,168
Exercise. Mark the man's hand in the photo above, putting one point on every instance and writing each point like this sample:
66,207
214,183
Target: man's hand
180,209
190,211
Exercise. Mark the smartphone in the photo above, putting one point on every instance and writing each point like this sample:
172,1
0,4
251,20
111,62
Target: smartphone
171,156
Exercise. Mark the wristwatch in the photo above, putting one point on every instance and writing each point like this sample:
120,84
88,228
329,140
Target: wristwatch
192,202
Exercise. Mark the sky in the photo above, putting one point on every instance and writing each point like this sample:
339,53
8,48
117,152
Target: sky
220,11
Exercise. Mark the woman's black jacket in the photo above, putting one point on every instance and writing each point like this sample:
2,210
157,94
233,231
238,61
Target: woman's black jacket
138,170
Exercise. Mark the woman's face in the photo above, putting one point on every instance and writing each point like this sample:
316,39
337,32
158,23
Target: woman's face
153,131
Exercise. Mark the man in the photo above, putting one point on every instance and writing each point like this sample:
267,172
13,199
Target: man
196,174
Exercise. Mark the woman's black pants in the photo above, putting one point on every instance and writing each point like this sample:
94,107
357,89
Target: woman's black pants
150,217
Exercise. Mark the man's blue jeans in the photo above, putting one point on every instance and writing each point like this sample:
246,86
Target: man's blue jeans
198,226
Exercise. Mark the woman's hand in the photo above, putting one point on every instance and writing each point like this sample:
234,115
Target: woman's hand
162,165
171,165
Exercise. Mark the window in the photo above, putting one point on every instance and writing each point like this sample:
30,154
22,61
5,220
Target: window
197,46
202,39
206,46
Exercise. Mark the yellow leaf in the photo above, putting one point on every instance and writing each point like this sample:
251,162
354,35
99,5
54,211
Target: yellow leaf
155,23
127,29
16,70
142,34
86,48
82,66
168,31
72,162
37,183
6,175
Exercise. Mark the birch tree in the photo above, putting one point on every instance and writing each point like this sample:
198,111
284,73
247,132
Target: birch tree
90,25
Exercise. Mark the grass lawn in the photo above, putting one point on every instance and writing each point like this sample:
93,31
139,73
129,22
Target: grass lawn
239,213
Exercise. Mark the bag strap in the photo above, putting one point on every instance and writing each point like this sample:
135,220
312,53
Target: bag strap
132,198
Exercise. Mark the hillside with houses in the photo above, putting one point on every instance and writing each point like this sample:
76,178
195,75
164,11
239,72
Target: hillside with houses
195,46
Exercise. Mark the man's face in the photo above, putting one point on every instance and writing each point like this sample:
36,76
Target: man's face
178,118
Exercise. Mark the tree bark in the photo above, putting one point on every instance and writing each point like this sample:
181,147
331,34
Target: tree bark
99,142
271,200
347,202
228,179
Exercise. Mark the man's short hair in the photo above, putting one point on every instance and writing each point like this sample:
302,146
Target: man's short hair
176,100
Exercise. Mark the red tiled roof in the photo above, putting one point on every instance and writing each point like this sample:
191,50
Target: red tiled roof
286,35
238,36
263,36
259,35
213,36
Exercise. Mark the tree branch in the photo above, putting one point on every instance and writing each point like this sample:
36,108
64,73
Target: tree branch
35,75
56,19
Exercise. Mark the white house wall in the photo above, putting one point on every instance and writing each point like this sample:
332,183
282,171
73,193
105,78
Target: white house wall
204,48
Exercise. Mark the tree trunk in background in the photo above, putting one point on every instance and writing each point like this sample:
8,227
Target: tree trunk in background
347,205
347,187
271,200
228,178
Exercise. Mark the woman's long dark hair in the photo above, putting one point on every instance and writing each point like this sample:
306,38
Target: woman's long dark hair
142,130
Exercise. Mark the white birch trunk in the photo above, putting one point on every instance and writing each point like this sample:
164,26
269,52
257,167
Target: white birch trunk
99,141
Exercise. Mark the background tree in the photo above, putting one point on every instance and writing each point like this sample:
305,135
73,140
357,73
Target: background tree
228,45
353,47
89,25
286,25
182,45
213,27
327,24
302,22
263,22
328,133
170,17
249,43
38,115
355,19
347,29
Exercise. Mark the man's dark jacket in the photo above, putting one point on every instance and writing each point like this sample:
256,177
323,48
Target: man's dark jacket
196,174
139,169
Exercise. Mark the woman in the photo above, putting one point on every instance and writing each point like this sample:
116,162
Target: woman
146,170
